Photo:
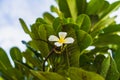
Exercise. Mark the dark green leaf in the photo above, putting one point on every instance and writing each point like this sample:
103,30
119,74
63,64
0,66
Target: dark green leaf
107,39
117,58
4,60
47,75
81,6
72,49
84,39
80,74
111,29
113,73
64,8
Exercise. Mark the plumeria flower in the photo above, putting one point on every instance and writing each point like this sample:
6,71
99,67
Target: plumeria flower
59,41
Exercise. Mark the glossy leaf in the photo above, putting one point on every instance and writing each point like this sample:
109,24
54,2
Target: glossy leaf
94,7
83,21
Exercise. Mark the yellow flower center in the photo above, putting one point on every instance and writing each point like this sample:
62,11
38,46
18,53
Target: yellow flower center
61,40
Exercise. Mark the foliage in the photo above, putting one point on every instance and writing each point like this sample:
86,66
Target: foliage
90,26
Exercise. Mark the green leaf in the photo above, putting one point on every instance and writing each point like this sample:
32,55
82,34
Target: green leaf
72,49
47,75
103,23
104,7
81,6
84,39
105,40
73,8
111,8
98,61
48,17
64,8
16,54
24,26
117,58
57,25
4,60
105,67
111,29
39,36
113,73
40,20
94,7
31,60
83,21
56,10
80,74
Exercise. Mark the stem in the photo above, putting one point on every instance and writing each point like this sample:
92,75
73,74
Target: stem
67,54
47,58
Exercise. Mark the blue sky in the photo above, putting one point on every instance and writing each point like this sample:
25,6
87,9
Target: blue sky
11,32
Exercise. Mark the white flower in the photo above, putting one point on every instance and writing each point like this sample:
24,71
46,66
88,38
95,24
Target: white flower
59,41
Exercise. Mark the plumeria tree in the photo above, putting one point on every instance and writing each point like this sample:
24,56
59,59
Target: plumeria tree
81,43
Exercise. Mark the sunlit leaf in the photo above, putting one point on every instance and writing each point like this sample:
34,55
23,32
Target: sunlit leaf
105,66
48,17
24,26
94,7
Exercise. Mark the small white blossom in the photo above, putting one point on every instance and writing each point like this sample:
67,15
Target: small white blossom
59,41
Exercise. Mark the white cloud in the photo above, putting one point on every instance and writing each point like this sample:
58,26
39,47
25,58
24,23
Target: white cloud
11,32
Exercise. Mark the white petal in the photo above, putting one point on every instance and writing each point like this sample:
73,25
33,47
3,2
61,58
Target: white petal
53,38
58,44
69,40
62,34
